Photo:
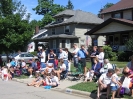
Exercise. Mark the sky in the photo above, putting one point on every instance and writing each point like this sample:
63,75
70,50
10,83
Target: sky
92,6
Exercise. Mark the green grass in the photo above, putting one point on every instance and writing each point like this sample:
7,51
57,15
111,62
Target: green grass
88,87
22,77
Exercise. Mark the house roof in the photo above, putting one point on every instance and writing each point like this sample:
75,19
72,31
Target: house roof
65,12
121,5
40,32
78,16
105,23
56,36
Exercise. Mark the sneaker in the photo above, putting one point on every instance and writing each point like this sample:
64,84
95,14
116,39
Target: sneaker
30,76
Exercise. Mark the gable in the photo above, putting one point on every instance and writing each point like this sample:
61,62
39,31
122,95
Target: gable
114,27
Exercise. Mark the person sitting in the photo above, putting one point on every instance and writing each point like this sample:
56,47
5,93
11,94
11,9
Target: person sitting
32,67
89,75
107,65
62,68
36,81
104,83
96,67
52,80
5,73
49,67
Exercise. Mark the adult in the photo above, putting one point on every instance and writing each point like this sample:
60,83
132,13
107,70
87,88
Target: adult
82,53
93,54
130,64
39,53
101,55
63,68
69,58
107,65
63,55
32,67
43,58
75,55
96,67
51,57
104,83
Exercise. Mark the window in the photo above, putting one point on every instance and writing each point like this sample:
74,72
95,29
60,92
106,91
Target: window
125,38
58,20
53,31
54,44
117,15
62,19
67,43
82,42
67,29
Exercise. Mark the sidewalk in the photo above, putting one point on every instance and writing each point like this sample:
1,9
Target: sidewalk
63,87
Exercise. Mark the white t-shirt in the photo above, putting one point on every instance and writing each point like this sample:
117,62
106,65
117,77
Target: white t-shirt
43,58
23,64
100,57
63,55
75,51
105,68
63,66
90,74
5,71
55,79
116,77
105,79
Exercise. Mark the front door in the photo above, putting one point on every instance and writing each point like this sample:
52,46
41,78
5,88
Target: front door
63,43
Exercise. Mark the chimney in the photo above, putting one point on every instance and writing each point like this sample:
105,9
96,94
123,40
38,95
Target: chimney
36,29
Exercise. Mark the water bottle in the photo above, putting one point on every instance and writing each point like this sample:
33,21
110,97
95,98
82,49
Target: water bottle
68,90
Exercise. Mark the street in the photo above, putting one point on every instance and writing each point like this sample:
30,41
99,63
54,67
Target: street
16,90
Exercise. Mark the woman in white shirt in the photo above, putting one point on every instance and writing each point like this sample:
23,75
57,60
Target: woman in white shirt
101,55
62,68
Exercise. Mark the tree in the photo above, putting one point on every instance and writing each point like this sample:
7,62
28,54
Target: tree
48,9
69,5
129,44
104,7
15,30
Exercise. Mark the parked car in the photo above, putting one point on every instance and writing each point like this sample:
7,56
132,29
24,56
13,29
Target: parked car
24,55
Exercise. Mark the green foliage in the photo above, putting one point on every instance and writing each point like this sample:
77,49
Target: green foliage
109,54
15,31
124,56
129,44
69,5
34,53
107,5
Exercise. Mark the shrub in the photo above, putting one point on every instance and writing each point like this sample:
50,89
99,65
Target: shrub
34,53
124,56
109,54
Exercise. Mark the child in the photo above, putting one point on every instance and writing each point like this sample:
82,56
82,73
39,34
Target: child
115,84
129,73
89,75
5,73
36,80
56,63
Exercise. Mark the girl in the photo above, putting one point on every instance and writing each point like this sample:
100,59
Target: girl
51,56
89,75
115,84
36,80
5,73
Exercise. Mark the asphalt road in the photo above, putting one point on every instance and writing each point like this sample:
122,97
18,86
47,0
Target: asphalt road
16,90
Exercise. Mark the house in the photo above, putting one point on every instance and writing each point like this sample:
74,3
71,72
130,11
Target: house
69,28
117,25
39,33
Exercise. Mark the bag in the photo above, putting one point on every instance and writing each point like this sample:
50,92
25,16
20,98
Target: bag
122,91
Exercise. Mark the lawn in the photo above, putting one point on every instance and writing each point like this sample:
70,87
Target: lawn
119,64
22,77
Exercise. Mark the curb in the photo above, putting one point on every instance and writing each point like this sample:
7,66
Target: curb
70,91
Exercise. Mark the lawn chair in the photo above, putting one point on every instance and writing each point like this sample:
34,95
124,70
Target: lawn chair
78,74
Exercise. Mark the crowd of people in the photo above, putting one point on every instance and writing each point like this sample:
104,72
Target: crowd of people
49,72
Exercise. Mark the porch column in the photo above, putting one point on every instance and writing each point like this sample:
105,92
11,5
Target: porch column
94,40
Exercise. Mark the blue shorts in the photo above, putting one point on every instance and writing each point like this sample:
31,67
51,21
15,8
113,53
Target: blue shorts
43,65
114,88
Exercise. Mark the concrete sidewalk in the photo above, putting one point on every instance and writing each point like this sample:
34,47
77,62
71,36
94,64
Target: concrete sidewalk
63,87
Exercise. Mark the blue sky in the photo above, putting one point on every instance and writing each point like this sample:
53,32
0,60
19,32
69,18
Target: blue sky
92,6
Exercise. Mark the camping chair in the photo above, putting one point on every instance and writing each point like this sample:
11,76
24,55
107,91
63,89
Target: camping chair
78,74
